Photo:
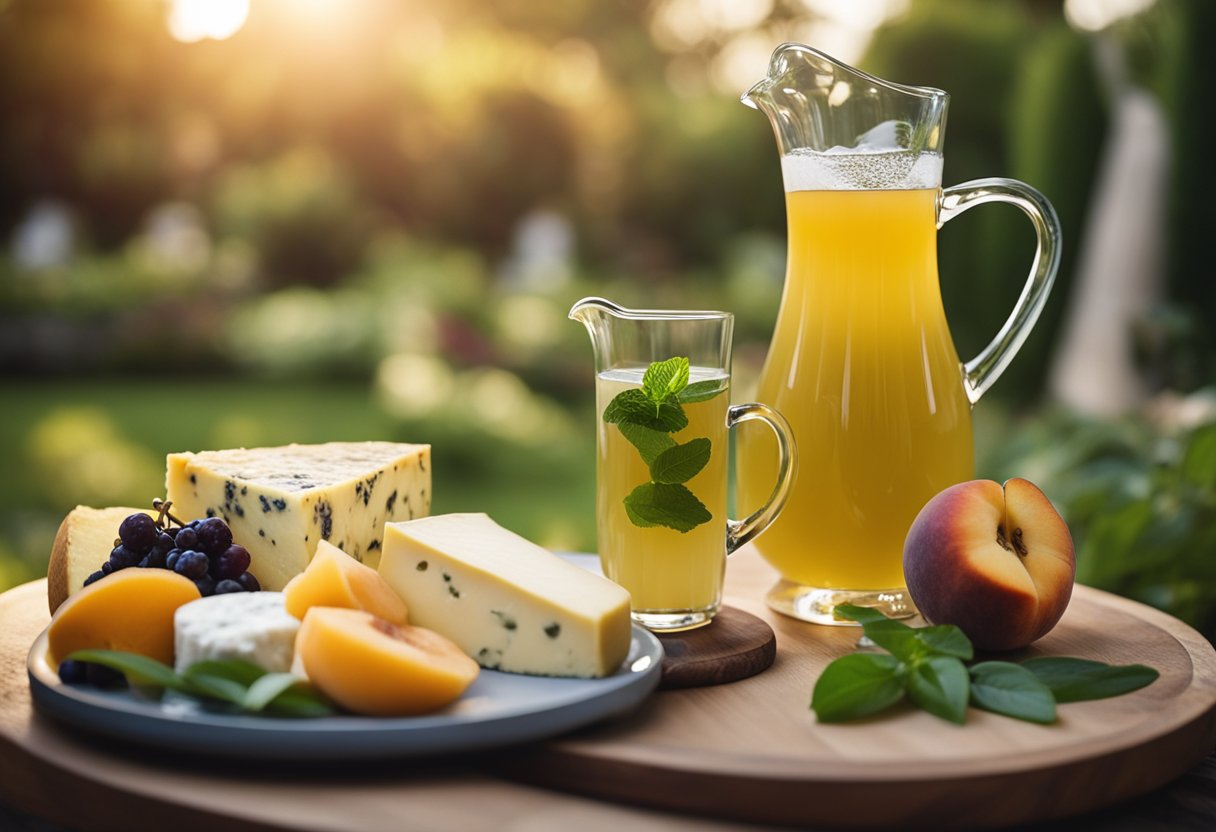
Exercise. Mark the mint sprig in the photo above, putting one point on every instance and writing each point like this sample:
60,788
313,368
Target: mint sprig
646,416
234,681
927,666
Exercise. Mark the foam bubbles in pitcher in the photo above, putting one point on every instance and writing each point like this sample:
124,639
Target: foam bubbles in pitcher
848,169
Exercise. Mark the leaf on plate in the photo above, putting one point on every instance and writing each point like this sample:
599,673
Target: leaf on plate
1078,680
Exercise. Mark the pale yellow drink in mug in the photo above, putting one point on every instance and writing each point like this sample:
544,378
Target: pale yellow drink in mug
662,568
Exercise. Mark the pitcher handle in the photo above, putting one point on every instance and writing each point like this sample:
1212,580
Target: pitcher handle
981,371
739,532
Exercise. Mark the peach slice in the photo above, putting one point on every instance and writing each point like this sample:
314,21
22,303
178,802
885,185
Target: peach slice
131,610
378,668
995,561
335,579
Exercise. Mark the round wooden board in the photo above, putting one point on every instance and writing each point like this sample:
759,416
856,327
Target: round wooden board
753,750
736,645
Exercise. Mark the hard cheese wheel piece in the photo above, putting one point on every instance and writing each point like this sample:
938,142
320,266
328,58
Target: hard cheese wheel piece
81,546
507,602
280,502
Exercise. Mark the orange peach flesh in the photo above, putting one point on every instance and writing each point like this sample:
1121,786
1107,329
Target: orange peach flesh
378,668
131,610
334,579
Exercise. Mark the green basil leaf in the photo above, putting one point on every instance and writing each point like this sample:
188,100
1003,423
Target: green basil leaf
664,379
649,442
1078,680
939,684
857,685
301,701
216,687
852,612
1011,690
663,504
140,670
681,463
702,391
946,640
898,639
237,670
263,691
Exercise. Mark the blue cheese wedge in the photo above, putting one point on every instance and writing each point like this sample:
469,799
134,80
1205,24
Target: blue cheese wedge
508,603
254,626
280,502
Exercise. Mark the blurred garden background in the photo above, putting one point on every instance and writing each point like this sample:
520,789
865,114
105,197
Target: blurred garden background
251,222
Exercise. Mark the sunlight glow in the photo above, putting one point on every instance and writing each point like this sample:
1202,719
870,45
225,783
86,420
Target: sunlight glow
1096,15
193,20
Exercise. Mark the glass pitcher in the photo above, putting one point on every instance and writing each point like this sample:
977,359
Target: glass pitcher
862,363
662,390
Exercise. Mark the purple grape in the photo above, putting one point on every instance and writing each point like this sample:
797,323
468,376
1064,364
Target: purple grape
101,676
225,586
72,672
206,585
171,559
231,562
192,564
154,559
121,557
138,532
186,538
164,543
97,576
248,582
214,536
107,568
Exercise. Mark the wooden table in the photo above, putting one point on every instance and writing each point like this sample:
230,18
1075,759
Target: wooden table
54,774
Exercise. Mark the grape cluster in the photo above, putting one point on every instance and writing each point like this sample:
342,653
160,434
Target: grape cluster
201,550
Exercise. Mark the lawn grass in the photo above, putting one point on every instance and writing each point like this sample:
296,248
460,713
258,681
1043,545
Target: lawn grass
56,435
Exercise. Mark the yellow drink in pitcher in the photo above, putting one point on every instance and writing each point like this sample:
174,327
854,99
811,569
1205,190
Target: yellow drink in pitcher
863,367
664,570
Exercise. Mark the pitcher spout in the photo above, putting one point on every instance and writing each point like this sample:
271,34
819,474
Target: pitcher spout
818,104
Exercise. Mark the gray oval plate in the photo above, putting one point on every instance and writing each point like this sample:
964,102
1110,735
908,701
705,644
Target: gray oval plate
497,709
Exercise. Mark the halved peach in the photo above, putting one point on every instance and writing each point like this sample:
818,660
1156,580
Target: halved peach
375,667
130,610
335,579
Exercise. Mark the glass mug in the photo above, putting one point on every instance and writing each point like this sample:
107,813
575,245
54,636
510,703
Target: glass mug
862,362
661,520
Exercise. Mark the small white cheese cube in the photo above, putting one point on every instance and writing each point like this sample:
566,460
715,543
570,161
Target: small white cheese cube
254,626
507,602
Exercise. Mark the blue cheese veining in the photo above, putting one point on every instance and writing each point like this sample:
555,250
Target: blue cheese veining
281,501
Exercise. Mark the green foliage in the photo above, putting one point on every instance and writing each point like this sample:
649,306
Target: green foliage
1140,502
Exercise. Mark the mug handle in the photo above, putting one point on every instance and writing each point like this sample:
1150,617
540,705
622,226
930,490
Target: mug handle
739,532
981,371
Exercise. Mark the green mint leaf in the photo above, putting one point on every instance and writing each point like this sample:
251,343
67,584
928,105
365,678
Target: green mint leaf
939,684
266,689
680,463
857,685
701,391
664,504
630,405
946,640
301,701
862,615
664,379
633,406
649,442
1012,690
140,670
1078,680
897,639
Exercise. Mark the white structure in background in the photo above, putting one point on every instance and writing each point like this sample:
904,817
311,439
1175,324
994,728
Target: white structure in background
542,251
1120,271
176,238
45,238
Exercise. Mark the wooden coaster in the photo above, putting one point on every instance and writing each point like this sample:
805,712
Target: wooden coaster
736,645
